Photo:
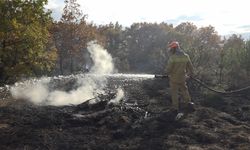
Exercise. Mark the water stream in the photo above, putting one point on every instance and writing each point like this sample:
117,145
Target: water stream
75,89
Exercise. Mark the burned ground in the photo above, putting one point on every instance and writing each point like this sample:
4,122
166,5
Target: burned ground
144,122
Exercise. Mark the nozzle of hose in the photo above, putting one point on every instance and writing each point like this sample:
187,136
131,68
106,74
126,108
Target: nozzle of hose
161,76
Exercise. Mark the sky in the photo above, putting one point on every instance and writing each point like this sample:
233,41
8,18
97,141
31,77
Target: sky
227,16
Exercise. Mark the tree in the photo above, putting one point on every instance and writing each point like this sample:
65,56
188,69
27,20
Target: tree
235,61
71,35
23,37
246,61
114,41
147,45
205,52
186,28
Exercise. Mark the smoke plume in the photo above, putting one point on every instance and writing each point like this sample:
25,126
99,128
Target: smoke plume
88,86
103,63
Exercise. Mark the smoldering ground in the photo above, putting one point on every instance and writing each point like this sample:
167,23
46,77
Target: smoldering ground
217,123
39,91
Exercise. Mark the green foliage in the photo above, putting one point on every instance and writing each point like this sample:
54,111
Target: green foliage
113,39
26,47
246,57
23,37
146,44
235,61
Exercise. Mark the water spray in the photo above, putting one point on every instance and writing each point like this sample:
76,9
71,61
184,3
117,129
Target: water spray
40,91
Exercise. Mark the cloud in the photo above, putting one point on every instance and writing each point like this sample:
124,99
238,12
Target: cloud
184,18
201,13
246,36
245,28
56,6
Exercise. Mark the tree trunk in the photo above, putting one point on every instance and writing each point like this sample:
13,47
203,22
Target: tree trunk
61,63
71,63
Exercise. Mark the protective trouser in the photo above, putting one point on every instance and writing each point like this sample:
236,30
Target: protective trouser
177,87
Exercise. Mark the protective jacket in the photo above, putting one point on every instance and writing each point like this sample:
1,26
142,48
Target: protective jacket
179,65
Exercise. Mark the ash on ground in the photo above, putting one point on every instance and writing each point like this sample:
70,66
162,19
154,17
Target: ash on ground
143,120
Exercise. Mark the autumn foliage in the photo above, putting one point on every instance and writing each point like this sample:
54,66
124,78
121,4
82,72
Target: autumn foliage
33,44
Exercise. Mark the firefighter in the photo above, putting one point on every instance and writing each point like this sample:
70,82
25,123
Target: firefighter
179,67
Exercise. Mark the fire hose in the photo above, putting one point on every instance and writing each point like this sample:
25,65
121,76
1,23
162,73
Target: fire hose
211,89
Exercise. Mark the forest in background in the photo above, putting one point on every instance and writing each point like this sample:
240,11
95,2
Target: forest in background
32,44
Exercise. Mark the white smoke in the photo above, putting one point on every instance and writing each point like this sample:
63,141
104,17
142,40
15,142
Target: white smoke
103,63
33,90
88,86
118,98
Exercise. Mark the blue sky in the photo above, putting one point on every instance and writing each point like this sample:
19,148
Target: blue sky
227,16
